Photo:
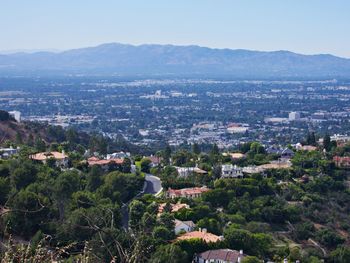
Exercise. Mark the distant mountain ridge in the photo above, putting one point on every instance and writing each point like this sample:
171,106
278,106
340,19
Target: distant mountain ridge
117,58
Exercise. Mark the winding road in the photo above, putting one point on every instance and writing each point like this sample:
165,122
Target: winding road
152,185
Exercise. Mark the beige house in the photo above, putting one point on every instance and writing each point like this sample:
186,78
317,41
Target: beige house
60,158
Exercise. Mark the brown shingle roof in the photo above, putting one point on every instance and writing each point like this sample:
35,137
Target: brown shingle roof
227,255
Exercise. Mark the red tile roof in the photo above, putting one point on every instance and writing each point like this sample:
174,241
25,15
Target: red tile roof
187,191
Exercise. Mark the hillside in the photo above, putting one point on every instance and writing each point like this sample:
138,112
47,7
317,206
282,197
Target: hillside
176,60
30,132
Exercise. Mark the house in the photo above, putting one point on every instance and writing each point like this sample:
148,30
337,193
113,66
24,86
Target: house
186,171
118,155
237,156
193,192
308,148
8,152
342,162
285,153
104,164
155,161
181,226
61,158
341,140
219,256
201,234
231,171
174,207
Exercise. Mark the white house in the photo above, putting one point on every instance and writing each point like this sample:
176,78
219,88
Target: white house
231,171
118,155
219,256
186,171
180,226
8,152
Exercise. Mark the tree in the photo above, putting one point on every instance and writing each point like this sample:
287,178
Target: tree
216,172
136,210
255,244
23,174
215,150
167,154
40,144
340,255
72,136
196,148
94,178
29,212
4,189
126,165
211,224
162,233
145,165
250,259
167,220
19,139
327,143
311,139
329,238
256,148
65,185
5,116
169,254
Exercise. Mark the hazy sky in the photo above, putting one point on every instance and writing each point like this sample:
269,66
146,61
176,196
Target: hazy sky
304,26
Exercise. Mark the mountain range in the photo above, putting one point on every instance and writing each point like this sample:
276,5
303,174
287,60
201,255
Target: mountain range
122,59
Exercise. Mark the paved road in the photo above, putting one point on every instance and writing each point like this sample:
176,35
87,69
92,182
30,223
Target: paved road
153,185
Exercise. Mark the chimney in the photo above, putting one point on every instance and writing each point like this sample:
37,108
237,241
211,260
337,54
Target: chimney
241,252
200,229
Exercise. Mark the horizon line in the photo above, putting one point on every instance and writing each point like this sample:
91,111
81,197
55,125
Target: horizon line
57,50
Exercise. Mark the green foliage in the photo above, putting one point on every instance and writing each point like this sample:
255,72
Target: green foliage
136,211
120,187
340,255
254,244
145,165
5,189
169,254
29,213
250,259
162,233
22,174
304,230
211,224
329,238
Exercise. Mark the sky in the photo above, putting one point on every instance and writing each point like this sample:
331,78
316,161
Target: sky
302,26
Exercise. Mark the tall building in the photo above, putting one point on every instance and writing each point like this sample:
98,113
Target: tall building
294,116
16,115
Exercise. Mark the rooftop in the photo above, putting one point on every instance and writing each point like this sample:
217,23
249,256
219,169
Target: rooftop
201,234
47,155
